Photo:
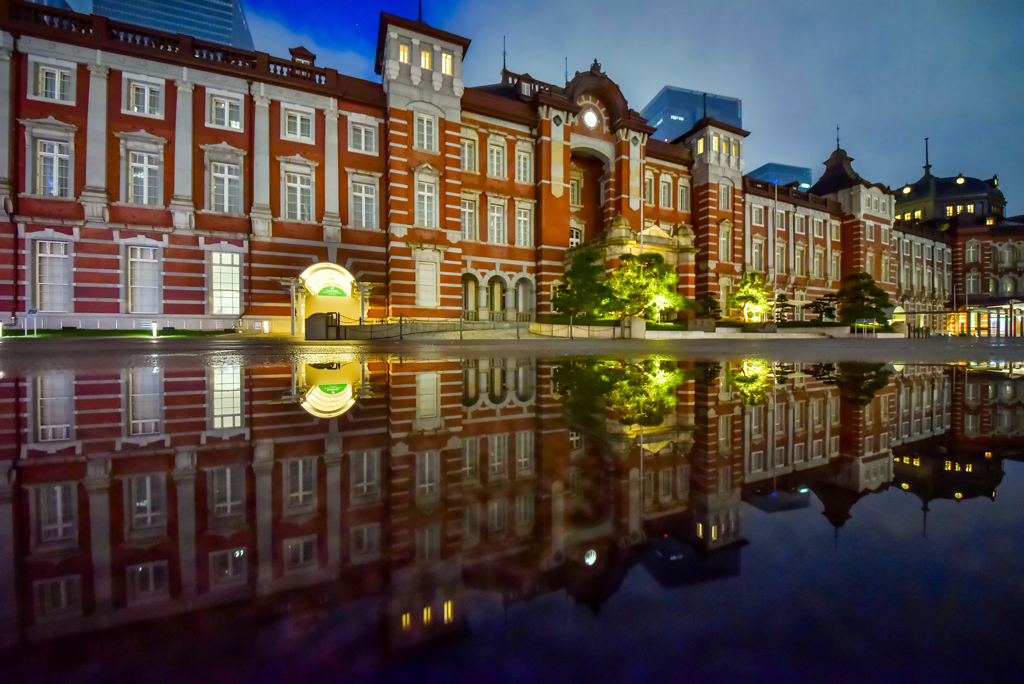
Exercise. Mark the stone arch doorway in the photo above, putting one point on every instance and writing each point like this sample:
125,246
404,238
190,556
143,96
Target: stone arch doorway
470,297
525,300
497,294
329,288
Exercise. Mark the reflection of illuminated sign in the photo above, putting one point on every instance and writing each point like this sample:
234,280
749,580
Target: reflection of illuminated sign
328,401
331,291
590,557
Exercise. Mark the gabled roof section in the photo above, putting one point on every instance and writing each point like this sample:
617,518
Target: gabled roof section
839,175
596,83
412,25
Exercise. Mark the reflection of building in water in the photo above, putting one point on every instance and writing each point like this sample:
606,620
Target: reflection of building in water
149,493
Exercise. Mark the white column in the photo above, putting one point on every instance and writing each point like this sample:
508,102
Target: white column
261,215
333,488
8,587
263,467
6,48
97,484
94,194
332,189
184,475
182,207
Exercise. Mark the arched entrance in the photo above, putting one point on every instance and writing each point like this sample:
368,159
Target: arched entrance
496,291
469,297
329,288
524,300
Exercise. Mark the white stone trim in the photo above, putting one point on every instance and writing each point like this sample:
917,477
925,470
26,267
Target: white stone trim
126,80
140,141
33,62
47,129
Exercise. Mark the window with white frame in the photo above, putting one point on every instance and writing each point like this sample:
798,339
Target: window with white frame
365,475
298,196
427,395
364,204
428,474
54,411
143,97
576,188
426,132
426,203
52,276
885,235
973,252
446,63
725,196
497,233
427,282
800,262
227,397
428,543
575,237
837,268
143,280
144,172
973,283
226,188
725,245
649,190
225,111
403,54
884,275
665,194
836,235
684,197
819,264
525,514
869,232
497,457
144,395
467,155
365,541
147,582
800,225
228,567
147,503
524,453
53,80
524,227
425,58
56,513
524,166
53,168
780,257
227,491
300,553
496,160
298,125
757,215
226,283
470,457
363,138
468,219
819,228
58,596
725,431
757,255
300,484
870,263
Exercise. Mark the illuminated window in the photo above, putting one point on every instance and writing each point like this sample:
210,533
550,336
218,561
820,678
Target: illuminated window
735,148
403,54
968,467
990,222
714,532
988,454
446,64
959,208
917,461
714,143
424,59
970,208
949,465
958,495
448,612
956,467
700,146
905,485
906,217
406,621
700,530
960,180
917,214
426,615
949,210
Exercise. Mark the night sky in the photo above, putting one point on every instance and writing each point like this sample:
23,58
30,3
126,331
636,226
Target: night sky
888,72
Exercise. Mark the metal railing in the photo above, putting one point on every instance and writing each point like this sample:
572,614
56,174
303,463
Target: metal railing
406,327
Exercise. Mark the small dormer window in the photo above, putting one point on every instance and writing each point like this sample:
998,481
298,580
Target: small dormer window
424,59
714,143
700,145
299,60
525,88
403,54
446,64
301,55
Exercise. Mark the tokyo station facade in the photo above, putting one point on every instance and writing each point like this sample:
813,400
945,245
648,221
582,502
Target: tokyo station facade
156,177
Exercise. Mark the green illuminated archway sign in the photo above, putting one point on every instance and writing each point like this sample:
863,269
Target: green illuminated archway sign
331,291
332,389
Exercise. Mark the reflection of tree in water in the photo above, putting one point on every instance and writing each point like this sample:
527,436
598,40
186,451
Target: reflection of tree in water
591,498
858,382
640,393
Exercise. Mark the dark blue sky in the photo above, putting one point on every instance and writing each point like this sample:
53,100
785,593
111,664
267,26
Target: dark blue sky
888,72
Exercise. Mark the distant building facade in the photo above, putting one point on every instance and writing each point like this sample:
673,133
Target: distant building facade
219,21
783,174
674,111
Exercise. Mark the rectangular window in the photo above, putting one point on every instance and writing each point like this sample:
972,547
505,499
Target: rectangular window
757,215
524,167
684,197
428,472
470,458
576,192
836,273
300,483
226,190
725,245
714,143
799,225
819,265
425,59
364,138
427,395
425,137
365,540
649,191
143,280
735,148
54,408
52,270
700,145
724,197
225,113
298,197
758,256
365,475
53,165
228,491
53,83
496,232
57,512
364,205
800,266
403,54
299,126
227,397
144,178
819,228
497,516
467,158
780,258
446,64
144,394
426,204
870,264
724,432
524,453
524,227
497,457
58,596
869,232
836,235
575,237
300,553
148,503
496,161
426,283
885,235
227,567
147,582
144,98
665,196
226,285
468,221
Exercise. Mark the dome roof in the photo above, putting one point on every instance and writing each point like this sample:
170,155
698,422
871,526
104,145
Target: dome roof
929,186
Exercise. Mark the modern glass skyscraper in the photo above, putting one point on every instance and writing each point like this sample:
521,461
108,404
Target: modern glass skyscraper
220,21
674,111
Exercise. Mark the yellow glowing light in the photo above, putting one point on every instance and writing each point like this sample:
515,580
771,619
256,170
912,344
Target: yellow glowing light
905,485
906,190
426,615
960,181
988,454
958,495
448,613
328,401
329,279
406,621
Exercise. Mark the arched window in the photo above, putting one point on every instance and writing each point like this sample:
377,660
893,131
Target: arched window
725,244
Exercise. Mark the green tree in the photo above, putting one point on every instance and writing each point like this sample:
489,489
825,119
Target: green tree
825,307
640,393
644,285
782,307
859,382
585,293
860,297
754,296
708,306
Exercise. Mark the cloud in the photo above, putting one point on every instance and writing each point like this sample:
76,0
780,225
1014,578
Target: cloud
274,38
